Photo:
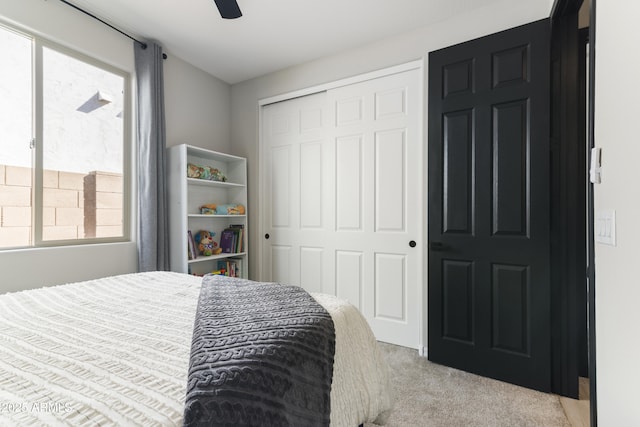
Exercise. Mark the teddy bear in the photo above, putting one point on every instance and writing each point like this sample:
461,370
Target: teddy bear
206,245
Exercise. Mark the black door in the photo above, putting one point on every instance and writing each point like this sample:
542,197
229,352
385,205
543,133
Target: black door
489,264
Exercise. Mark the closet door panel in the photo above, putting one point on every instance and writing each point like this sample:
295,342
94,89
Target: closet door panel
379,200
349,197
311,183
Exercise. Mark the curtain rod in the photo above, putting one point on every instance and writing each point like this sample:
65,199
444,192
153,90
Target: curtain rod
144,45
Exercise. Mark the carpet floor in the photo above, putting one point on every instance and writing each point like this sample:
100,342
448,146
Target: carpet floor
427,394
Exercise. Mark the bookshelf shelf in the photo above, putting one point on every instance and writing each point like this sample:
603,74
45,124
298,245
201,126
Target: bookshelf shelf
207,183
216,216
186,195
216,257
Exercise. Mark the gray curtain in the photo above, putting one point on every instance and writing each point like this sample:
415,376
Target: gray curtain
153,224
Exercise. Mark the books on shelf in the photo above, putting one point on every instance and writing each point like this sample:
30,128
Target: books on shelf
192,250
226,241
238,230
228,263
232,239
231,267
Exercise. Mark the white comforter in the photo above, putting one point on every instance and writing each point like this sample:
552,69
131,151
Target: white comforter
115,351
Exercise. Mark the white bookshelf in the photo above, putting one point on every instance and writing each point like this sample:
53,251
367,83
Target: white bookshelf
187,195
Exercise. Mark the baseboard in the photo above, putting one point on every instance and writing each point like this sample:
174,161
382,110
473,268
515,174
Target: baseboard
422,351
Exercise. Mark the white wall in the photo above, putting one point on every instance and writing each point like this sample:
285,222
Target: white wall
403,48
197,112
617,109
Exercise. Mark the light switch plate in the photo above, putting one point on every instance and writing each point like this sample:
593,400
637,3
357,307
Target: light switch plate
605,227
595,172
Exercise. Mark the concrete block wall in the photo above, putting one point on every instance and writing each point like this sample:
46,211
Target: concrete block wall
15,206
103,204
75,205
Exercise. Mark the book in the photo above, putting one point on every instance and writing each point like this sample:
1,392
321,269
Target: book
236,239
227,242
238,266
232,267
189,253
192,250
239,230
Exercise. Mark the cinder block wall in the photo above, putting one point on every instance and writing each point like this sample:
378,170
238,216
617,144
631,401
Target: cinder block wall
75,205
15,206
102,204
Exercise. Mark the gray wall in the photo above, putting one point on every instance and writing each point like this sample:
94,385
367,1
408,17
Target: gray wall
197,106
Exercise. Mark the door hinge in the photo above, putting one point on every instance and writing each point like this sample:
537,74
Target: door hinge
32,143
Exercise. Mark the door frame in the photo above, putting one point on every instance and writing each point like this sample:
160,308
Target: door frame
568,199
591,301
573,257
310,90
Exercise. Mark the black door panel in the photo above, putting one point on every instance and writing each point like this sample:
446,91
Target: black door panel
489,260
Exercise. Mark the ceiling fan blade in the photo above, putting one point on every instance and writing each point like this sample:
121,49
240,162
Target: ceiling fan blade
229,9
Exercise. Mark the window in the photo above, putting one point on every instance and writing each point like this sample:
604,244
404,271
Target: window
63,146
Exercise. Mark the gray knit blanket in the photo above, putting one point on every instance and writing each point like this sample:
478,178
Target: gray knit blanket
262,355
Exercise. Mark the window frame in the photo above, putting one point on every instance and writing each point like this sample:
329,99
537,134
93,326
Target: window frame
38,45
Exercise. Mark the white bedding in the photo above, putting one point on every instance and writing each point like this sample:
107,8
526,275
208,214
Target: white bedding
115,351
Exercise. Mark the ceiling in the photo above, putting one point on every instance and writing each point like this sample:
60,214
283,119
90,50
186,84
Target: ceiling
272,34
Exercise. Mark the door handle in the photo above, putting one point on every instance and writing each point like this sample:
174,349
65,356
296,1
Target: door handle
266,236
437,246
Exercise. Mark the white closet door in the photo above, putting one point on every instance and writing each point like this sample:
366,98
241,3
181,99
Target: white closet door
376,133
343,199
296,184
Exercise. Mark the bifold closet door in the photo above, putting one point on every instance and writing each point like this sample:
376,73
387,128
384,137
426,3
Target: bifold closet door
342,202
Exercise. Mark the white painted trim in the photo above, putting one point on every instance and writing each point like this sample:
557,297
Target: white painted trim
422,351
424,324
417,64
422,194
262,186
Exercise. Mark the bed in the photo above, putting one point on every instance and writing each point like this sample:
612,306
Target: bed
116,350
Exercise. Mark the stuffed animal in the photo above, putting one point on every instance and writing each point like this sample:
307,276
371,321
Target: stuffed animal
206,245
229,209
209,209
193,171
205,172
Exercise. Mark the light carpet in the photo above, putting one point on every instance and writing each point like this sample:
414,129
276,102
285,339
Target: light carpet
427,394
